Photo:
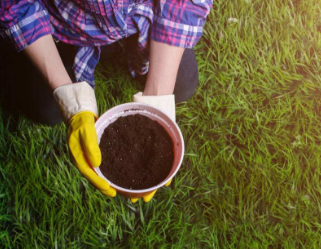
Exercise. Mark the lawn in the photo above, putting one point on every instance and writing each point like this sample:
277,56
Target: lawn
252,168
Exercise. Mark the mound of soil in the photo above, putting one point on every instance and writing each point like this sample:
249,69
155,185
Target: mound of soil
137,152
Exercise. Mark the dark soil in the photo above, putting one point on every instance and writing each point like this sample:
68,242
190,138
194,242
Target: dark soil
137,152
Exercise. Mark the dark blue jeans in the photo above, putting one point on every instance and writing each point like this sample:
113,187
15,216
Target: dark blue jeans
24,89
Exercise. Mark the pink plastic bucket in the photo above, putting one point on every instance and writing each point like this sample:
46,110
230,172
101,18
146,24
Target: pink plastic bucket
155,114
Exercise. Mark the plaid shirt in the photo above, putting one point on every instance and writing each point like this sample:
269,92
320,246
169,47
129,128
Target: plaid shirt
90,24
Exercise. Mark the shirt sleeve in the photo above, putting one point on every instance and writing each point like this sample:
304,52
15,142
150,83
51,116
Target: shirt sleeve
180,22
22,22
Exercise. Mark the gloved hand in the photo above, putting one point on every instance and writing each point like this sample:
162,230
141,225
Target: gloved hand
77,103
166,103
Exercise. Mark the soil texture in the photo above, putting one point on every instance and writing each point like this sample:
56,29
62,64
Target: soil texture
137,152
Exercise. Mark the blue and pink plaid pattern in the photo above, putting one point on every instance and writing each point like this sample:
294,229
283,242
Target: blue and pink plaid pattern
90,24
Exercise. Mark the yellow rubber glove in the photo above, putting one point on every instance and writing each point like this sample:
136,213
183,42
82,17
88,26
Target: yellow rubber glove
83,145
166,103
150,196
77,103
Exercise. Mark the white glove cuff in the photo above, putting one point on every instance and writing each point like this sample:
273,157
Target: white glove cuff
75,98
165,103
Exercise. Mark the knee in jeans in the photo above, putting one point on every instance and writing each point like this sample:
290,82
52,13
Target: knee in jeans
187,77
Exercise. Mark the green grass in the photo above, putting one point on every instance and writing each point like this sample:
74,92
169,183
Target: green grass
252,169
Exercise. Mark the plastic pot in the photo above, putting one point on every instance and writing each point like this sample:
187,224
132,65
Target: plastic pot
155,114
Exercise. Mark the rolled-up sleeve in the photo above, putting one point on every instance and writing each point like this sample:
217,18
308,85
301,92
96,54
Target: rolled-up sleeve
22,22
180,23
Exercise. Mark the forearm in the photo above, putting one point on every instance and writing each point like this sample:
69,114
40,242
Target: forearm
44,55
164,63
